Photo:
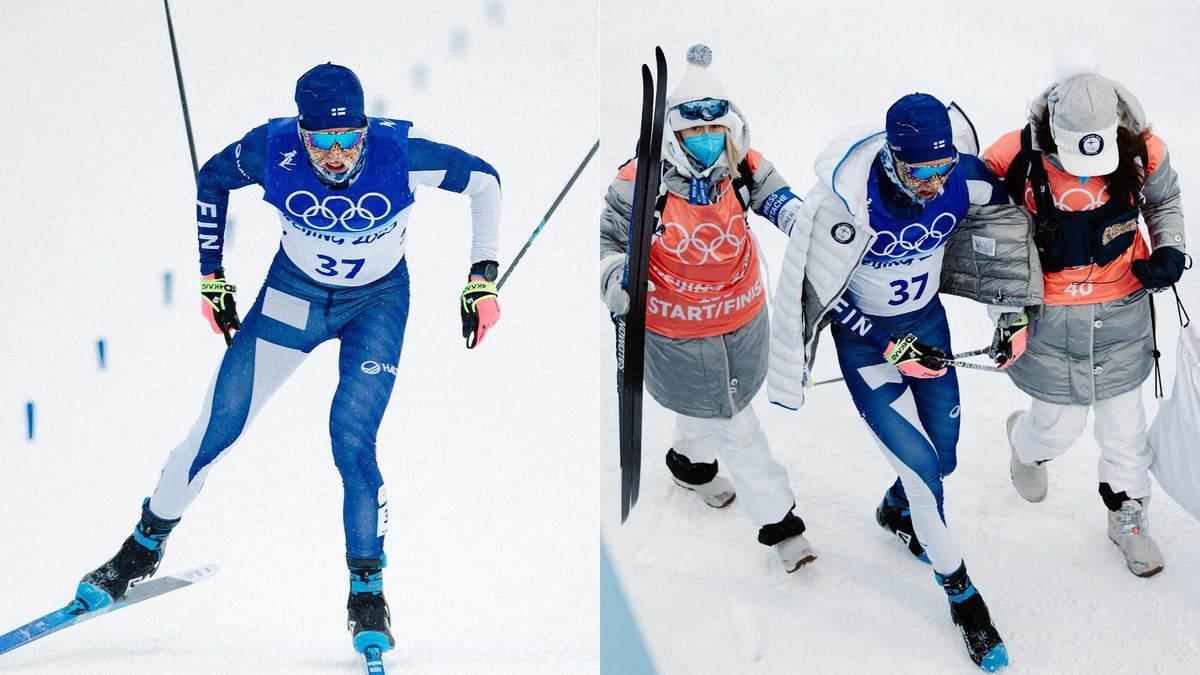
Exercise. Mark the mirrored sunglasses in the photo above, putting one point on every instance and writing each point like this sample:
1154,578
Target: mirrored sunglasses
322,140
928,171
707,109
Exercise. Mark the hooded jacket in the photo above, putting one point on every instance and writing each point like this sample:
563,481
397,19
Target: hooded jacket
714,373
1094,339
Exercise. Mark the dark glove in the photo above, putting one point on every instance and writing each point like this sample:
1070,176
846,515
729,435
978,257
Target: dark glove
479,303
1165,266
218,306
916,359
1008,343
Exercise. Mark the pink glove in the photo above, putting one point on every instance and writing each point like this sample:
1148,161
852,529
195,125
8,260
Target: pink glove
479,304
916,359
1008,344
217,304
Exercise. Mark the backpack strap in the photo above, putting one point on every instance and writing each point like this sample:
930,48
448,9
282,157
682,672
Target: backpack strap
743,185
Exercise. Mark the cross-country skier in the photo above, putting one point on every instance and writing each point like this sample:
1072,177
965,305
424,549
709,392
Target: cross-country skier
1089,147
343,184
707,331
866,256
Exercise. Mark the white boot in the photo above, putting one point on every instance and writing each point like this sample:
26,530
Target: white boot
1129,529
795,551
717,493
1029,479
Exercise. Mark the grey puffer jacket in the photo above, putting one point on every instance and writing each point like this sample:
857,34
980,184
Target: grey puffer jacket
1079,354
711,377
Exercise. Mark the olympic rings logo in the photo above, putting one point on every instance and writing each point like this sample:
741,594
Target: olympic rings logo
338,210
1072,199
914,238
705,243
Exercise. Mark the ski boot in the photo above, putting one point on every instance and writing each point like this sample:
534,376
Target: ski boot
893,514
367,614
137,561
1030,480
787,536
701,478
1129,528
970,614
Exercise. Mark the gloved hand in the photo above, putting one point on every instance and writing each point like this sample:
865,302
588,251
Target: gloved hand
916,359
1165,266
1008,343
217,304
479,303
615,297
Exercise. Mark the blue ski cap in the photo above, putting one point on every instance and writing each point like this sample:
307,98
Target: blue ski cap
330,96
918,129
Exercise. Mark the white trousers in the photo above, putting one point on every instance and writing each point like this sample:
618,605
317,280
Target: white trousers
1049,429
741,447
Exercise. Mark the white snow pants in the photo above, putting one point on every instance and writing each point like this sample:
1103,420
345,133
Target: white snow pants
761,482
1049,429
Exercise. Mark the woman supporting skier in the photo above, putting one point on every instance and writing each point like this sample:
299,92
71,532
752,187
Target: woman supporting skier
707,331
1088,166
866,254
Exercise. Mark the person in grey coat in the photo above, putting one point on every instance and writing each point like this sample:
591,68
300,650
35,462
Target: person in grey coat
707,331
1087,166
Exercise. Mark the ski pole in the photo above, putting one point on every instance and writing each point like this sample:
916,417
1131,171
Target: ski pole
955,362
187,121
557,200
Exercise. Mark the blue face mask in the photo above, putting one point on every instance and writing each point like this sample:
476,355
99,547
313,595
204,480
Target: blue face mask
706,148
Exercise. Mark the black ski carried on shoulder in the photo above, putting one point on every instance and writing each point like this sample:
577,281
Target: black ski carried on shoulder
631,328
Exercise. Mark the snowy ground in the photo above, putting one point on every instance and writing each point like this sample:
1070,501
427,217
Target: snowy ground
707,596
493,544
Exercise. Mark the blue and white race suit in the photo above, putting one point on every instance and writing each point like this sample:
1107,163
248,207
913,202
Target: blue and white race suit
871,261
340,272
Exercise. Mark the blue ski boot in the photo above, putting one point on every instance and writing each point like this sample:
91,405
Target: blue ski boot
137,561
367,612
970,614
893,514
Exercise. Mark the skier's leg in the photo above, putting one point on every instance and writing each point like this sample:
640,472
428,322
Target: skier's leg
265,352
888,405
250,371
370,351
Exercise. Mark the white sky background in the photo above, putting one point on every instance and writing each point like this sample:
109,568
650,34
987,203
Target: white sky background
709,598
490,455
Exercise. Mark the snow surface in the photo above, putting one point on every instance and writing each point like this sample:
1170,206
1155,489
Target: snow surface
708,597
490,455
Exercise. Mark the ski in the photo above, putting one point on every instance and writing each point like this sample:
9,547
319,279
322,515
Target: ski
631,328
74,612
374,661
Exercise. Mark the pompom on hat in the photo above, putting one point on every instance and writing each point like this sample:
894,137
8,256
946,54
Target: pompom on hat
698,84
919,130
330,96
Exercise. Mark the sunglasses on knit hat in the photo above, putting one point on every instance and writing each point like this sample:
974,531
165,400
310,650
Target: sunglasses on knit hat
707,109
323,140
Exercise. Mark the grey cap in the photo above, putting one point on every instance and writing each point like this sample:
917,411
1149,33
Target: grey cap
1084,117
